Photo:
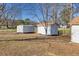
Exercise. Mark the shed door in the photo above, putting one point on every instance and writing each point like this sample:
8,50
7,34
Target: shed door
75,33
54,29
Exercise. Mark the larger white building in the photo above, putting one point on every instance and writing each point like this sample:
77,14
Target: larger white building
75,30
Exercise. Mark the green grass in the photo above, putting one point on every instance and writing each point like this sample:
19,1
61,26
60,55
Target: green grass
8,30
64,31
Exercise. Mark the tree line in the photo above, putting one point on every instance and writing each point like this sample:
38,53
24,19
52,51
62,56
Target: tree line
61,13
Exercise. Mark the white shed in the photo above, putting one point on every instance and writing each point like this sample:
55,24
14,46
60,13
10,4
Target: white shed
75,30
25,28
52,29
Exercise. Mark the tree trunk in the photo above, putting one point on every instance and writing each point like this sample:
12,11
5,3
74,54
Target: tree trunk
46,30
7,24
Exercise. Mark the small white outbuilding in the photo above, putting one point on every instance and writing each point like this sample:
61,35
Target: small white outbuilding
51,29
75,30
25,28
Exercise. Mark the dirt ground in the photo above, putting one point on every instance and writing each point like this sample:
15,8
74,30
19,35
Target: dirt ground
13,44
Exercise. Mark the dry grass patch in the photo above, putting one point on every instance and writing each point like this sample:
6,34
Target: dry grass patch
15,44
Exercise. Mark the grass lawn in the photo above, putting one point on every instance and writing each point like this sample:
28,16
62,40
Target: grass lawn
65,31
14,44
8,30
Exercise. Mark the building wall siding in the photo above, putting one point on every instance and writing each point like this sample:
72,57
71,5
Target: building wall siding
41,30
23,28
75,33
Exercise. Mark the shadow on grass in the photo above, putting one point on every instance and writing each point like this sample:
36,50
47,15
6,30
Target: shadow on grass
27,39
44,38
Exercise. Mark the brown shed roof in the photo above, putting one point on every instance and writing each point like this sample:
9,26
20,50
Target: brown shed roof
75,21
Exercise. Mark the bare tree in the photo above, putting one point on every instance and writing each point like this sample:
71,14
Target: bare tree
8,12
45,12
